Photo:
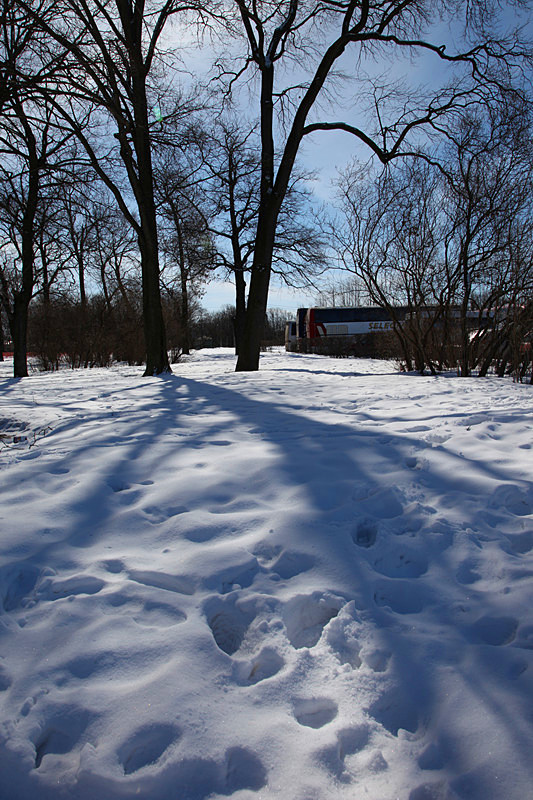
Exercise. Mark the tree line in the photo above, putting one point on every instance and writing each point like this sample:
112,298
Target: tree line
450,239
124,183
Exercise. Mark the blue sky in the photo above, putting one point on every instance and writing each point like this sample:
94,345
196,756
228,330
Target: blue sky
222,293
327,152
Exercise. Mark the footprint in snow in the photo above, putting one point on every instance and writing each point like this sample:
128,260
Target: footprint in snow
158,515
114,565
349,742
244,770
365,533
404,563
315,712
437,439
118,485
512,499
291,563
431,758
261,667
241,575
228,623
17,584
467,574
146,746
401,597
395,710
205,533
58,471
520,543
267,552
59,588
495,631
5,679
63,729
432,791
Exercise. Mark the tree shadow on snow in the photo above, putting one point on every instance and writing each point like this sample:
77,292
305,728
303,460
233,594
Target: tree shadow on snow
384,548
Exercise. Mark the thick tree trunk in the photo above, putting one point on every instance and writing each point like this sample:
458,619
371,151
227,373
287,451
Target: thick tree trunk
21,299
186,344
142,182
250,346
18,325
240,309
465,346
154,326
238,265
184,303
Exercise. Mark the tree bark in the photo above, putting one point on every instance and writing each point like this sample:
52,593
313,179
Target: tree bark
250,346
18,325
238,266
18,320
184,304
154,327
240,308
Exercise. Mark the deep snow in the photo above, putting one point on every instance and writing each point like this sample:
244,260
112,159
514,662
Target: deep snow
310,582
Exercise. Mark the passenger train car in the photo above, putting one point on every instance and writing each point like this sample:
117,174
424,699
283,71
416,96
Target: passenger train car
315,328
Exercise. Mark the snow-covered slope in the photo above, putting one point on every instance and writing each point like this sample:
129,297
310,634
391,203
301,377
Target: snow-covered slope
311,582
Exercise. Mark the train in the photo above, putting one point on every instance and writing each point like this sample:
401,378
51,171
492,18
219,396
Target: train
315,328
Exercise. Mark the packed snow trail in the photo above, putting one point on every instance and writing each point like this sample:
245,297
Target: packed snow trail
313,581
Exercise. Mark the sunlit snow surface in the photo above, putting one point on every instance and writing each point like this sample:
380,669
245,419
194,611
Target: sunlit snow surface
310,582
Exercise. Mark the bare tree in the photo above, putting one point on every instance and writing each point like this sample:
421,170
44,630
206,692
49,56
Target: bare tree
112,256
488,191
348,293
27,62
188,251
80,211
32,155
392,241
234,168
447,243
318,34
114,49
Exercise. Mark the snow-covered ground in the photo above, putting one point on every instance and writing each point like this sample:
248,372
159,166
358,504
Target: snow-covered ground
310,582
